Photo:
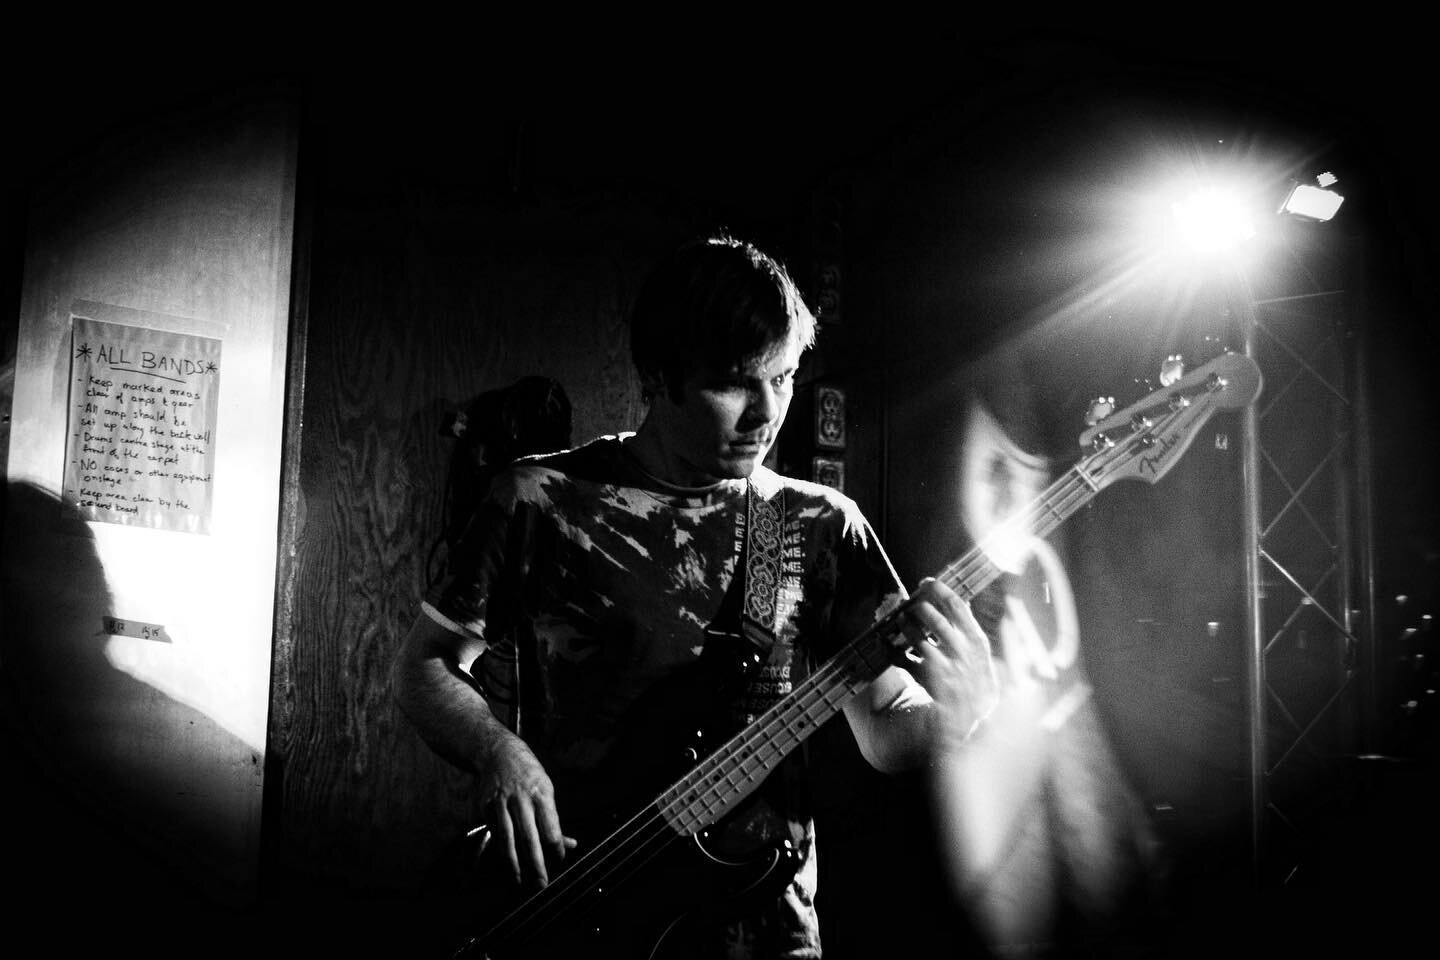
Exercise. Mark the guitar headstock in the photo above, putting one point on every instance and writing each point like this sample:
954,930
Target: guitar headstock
1147,438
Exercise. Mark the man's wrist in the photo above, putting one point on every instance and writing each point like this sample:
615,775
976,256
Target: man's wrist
493,739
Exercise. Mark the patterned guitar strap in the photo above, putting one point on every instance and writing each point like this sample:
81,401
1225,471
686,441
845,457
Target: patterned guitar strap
761,563
745,622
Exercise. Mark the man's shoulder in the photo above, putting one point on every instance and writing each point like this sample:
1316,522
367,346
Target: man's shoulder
529,478
600,454
806,495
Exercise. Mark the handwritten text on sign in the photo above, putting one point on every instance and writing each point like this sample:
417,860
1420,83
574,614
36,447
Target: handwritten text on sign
141,444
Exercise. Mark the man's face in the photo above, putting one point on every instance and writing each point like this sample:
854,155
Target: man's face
728,419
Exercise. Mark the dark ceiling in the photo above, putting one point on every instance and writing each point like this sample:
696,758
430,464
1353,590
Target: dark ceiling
751,120
743,111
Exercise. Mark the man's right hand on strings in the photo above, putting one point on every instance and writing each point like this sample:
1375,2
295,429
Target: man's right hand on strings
520,805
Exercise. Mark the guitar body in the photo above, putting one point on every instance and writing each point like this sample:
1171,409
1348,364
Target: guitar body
641,895
650,913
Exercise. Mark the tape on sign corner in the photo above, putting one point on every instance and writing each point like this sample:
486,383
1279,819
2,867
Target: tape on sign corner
134,628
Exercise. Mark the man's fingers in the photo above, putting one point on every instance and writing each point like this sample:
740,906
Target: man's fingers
963,617
938,610
549,822
506,833
926,625
528,843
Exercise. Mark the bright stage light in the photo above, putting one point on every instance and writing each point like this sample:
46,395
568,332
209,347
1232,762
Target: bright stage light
1211,221
1312,203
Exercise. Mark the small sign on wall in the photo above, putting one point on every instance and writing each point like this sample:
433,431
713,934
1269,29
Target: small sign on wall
140,444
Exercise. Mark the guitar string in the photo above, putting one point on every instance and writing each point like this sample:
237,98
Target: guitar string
972,572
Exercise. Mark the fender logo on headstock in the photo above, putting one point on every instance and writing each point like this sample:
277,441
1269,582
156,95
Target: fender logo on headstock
1165,445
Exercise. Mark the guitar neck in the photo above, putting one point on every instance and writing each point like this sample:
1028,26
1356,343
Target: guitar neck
733,770
974,571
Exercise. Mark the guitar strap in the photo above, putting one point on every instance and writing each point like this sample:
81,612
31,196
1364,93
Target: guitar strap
748,610
760,562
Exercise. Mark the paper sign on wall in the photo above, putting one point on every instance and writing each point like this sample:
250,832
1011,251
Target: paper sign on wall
140,448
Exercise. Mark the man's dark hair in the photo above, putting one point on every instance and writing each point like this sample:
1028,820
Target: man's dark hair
713,304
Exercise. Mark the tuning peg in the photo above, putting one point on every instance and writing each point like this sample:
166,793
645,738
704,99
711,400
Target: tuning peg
1101,408
1172,369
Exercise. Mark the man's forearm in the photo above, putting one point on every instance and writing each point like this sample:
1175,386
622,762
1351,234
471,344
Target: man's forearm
893,722
444,705
902,726
906,730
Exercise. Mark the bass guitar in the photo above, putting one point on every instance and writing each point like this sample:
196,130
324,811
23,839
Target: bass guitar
628,891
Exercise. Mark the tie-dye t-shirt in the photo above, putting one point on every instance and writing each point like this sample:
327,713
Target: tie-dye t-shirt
592,581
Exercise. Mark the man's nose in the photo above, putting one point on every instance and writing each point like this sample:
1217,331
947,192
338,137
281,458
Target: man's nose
764,405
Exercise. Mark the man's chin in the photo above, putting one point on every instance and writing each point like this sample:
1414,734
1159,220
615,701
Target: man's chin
739,466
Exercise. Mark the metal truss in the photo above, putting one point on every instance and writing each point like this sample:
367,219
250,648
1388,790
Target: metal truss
1309,568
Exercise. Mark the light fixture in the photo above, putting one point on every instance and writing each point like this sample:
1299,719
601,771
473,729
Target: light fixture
1313,202
1211,220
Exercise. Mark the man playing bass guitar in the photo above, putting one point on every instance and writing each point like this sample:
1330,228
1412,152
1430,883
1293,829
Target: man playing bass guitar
617,610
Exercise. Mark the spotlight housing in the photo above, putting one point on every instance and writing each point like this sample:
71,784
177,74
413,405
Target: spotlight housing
1313,202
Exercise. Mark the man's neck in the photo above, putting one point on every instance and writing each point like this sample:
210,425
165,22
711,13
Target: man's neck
653,457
